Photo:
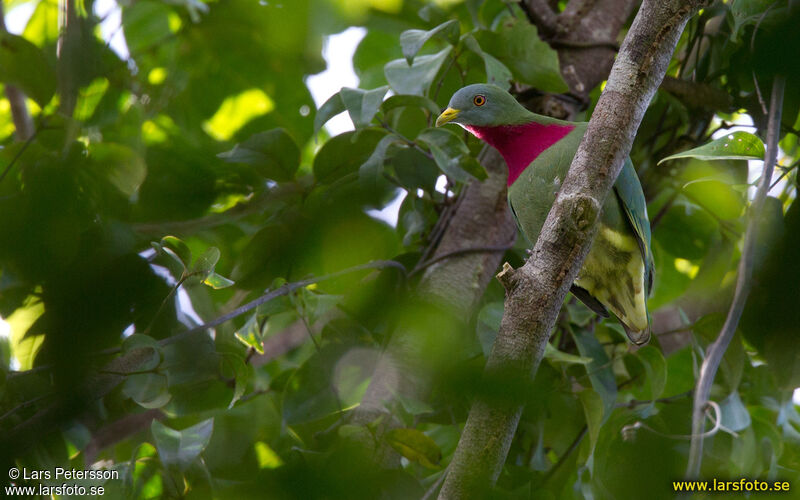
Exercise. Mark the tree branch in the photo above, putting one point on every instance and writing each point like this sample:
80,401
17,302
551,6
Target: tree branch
536,291
743,284
582,25
542,16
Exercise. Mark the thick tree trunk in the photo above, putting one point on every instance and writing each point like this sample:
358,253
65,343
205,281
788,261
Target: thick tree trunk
536,291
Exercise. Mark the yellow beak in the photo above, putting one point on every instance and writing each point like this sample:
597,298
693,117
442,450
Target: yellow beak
447,115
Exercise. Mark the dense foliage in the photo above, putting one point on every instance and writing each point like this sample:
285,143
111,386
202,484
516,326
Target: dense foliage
166,190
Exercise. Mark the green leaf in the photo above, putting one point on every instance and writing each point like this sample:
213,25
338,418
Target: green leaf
415,79
415,101
413,406
734,146
415,170
593,411
181,448
746,12
234,366
686,230
362,105
309,394
655,374
273,153
734,359
517,45
145,24
415,446
23,64
43,27
119,165
250,334
412,40
370,171
345,153
179,249
557,356
735,416
496,72
149,390
599,371
217,281
205,264
139,341
451,154
330,108
718,197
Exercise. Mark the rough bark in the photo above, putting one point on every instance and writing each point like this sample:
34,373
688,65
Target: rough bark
536,291
584,36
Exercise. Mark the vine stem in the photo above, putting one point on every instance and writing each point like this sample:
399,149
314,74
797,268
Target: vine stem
743,284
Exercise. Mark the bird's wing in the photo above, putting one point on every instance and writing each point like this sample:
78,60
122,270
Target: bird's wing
630,195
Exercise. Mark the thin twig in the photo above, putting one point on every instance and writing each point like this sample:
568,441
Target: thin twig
22,406
19,153
563,458
266,297
435,486
743,284
461,251
278,292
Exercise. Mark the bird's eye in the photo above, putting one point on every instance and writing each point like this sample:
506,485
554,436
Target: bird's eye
479,100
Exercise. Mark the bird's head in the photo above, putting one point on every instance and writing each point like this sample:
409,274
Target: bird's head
483,105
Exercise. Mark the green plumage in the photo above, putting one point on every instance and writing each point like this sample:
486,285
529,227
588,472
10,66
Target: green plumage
617,274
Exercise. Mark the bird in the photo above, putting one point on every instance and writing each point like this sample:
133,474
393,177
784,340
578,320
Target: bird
617,275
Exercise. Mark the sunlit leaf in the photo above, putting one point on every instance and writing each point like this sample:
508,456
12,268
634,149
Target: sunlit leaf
179,248
205,264
250,334
734,146
217,281
43,27
236,111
